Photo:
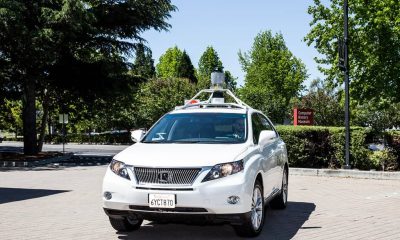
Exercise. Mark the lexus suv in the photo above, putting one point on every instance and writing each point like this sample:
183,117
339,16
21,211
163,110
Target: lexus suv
206,162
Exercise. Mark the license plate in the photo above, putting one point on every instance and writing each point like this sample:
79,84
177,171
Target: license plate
162,200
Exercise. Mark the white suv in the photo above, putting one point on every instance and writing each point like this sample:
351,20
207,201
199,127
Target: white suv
206,162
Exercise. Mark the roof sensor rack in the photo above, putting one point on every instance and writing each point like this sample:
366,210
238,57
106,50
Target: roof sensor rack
216,98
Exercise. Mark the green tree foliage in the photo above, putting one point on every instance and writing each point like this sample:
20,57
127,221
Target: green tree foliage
374,46
144,63
326,103
10,116
78,46
175,63
168,64
208,63
273,75
380,116
186,68
159,96
230,81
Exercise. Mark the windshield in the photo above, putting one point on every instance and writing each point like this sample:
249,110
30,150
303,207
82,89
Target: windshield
199,128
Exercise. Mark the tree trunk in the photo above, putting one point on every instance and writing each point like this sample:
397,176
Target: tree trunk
49,128
42,129
29,118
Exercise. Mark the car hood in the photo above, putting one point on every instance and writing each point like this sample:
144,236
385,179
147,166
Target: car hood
180,155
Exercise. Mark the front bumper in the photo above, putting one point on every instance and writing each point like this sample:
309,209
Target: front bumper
201,198
233,219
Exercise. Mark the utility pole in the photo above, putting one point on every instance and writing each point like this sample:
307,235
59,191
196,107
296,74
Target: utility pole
346,83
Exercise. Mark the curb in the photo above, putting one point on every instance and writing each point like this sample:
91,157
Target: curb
65,157
86,160
345,173
69,159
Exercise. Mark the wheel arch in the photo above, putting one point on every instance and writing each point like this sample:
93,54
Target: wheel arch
260,179
286,168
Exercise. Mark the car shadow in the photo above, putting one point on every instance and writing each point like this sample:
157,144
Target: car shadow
280,224
18,194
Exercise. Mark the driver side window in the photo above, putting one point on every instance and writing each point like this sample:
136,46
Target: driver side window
265,124
256,126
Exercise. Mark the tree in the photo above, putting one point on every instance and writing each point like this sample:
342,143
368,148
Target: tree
168,64
186,69
144,63
159,96
377,115
326,103
77,46
10,116
208,63
374,46
230,81
273,75
175,63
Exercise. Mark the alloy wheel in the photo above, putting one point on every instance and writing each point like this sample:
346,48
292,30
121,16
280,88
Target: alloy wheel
257,208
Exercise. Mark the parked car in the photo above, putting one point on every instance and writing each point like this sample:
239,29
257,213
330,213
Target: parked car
206,162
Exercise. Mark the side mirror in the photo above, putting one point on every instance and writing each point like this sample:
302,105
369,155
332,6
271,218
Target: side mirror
137,135
266,136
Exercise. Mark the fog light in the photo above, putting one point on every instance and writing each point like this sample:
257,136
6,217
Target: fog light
107,195
233,199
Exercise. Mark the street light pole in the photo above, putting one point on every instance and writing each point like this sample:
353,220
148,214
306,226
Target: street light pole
346,84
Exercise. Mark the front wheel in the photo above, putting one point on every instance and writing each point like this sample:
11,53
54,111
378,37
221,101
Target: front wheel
254,222
280,201
126,224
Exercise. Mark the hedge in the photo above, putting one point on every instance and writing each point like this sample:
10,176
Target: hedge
323,147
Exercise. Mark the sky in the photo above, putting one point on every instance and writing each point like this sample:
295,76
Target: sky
230,26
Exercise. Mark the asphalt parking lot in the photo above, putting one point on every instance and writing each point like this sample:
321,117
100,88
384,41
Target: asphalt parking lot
66,204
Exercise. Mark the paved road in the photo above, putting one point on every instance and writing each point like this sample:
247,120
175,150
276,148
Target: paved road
66,204
81,149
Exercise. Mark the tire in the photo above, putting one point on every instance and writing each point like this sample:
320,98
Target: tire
126,224
253,223
280,201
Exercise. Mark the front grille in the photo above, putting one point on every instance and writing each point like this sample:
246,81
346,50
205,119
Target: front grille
173,176
165,189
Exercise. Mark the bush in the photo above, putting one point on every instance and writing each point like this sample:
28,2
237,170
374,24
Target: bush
392,140
385,160
323,147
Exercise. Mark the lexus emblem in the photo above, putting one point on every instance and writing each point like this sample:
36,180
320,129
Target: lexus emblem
164,177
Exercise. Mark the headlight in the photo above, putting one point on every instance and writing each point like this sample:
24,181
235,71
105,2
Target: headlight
119,168
223,170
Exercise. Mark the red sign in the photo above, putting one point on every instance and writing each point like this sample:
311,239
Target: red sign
303,116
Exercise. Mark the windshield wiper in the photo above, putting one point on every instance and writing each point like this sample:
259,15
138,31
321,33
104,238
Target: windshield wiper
186,141
154,142
203,141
